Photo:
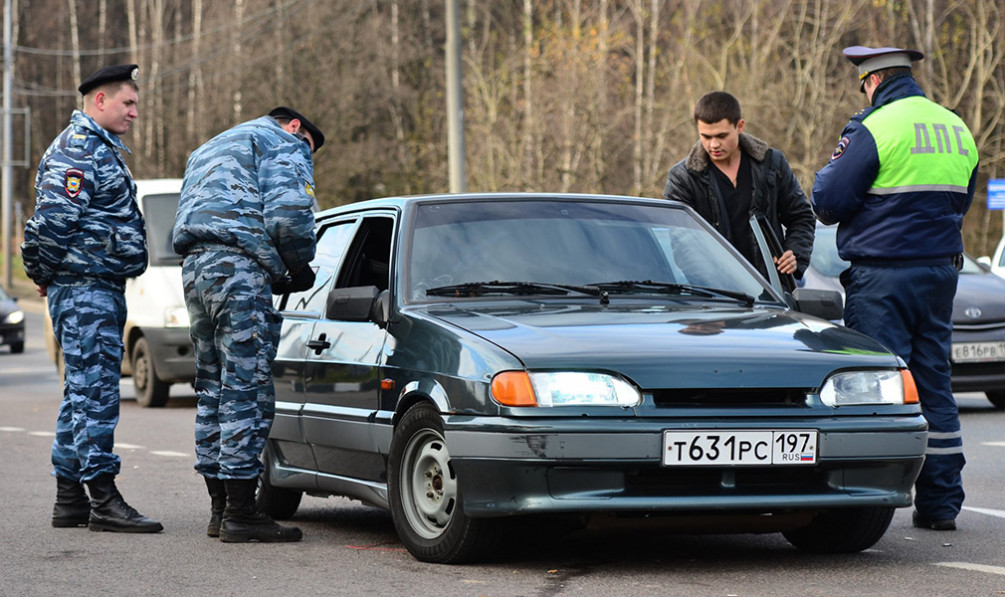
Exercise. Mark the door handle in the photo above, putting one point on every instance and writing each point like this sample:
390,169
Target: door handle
320,344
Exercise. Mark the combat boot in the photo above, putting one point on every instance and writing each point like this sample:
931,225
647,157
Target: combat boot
242,522
109,512
72,508
218,496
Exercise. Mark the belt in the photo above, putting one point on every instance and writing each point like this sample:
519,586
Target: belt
207,247
956,260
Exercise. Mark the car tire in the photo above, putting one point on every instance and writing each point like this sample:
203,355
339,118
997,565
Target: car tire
844,530
278,502
17,347
997,399
150,391
424,495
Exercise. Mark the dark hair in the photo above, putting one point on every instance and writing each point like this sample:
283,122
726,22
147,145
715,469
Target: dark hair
888,73
715,106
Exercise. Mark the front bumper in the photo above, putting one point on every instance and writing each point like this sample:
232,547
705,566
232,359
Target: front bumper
171,350
504,471
12,334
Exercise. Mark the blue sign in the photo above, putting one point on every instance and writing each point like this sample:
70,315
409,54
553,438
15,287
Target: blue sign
996,193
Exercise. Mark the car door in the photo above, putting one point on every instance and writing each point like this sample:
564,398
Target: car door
341,374
301,311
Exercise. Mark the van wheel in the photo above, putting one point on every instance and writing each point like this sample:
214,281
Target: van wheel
278,502
997,399
17,347
150,391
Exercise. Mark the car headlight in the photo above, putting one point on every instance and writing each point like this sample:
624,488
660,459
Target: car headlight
15,317
176,317
563,388
869,387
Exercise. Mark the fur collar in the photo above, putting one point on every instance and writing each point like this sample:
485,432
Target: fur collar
697,160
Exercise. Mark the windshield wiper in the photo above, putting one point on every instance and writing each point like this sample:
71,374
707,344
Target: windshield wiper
499,287
628,286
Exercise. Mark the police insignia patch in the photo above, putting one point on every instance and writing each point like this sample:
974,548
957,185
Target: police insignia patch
841,147
309,189
72,182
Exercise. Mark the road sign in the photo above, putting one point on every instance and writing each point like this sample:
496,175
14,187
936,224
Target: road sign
996,193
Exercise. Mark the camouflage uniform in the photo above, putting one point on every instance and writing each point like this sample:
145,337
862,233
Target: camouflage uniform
85,238
244,220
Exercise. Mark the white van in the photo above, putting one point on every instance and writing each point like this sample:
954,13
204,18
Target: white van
158,350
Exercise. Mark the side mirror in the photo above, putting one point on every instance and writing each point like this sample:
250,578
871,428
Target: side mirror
351,304
984,260
825,304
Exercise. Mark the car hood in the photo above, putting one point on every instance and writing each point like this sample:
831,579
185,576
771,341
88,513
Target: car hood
979,298
8,306
661,346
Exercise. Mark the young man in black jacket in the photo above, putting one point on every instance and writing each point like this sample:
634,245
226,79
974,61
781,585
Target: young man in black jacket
730,176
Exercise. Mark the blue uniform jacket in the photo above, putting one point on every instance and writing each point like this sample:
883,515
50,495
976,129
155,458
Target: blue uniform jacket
250,188
913,225
86,221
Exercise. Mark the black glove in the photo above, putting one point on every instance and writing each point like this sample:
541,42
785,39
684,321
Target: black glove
298,282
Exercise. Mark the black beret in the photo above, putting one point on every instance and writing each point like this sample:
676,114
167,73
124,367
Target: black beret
109,74
291,114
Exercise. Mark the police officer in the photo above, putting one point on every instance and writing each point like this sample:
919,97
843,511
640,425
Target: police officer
898,184
245,225
84,239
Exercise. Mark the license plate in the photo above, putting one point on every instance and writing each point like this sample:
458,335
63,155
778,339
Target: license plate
978,352
716,448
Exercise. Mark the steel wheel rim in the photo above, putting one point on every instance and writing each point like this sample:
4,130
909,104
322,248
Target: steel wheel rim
429,488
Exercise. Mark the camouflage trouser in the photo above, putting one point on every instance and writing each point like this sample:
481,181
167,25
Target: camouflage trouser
235,330
87,321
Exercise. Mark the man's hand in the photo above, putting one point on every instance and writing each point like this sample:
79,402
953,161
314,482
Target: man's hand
786,263
41,290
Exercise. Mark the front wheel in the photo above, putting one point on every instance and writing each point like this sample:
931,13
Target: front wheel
845,530
997,399
425,496
278,502
150,391
17,347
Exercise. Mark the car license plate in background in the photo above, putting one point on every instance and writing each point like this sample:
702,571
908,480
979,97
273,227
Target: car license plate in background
716,448
978,352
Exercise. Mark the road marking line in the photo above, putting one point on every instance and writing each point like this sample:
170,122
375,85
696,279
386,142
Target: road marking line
988,511
995,444
973,567
170,453
129,446
42,433
12,429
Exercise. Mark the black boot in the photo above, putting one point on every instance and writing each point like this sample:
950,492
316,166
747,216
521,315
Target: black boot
242,522
72,508
218,495
109,512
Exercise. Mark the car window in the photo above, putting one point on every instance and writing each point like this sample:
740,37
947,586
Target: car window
566,243
332,242
368,261
159,213
825,258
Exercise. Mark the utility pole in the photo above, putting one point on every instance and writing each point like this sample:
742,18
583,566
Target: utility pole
455,101
7,214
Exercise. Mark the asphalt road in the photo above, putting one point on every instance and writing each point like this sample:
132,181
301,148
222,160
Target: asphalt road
351,549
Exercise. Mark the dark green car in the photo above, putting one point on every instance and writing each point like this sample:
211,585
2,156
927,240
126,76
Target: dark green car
466,359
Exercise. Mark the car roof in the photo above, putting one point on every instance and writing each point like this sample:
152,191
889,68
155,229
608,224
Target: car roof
403,202
156,186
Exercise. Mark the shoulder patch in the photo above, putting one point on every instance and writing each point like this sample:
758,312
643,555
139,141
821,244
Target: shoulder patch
841,147
310,190
72,181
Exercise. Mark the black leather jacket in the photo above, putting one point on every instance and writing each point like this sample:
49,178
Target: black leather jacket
776,194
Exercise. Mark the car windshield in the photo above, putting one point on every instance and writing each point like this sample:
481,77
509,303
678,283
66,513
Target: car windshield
825,258
159,212
568,247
